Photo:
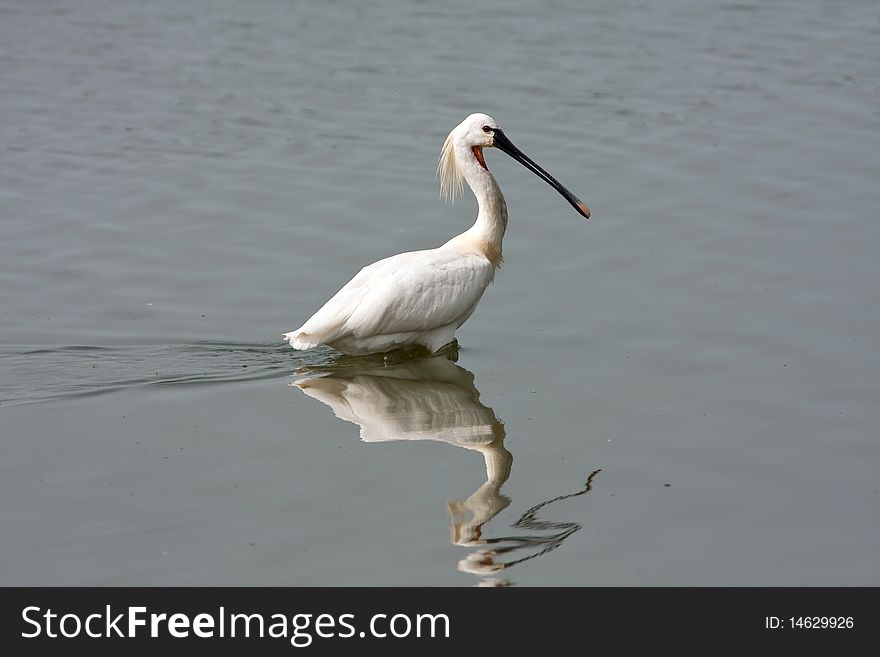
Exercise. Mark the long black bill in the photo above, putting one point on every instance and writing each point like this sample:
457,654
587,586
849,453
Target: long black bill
502,143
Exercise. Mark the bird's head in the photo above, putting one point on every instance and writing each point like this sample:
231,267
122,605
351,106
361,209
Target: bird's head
477,131
467,141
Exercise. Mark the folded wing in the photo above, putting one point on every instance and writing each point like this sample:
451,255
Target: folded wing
409,292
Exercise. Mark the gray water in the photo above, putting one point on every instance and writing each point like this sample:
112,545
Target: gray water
181,182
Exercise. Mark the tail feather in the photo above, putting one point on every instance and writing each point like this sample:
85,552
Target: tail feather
301,340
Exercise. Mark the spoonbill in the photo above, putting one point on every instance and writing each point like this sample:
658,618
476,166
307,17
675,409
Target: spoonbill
420,298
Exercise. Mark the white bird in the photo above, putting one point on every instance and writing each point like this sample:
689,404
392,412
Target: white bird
422,297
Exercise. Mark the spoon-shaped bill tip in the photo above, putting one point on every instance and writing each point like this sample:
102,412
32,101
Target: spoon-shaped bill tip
502,143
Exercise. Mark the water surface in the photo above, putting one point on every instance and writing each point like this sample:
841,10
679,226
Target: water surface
181,183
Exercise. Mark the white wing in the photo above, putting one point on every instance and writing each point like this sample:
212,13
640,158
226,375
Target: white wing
415,291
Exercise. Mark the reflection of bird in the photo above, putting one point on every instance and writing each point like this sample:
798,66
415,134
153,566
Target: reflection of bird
420,298
435,399
424,399
421,399
486,561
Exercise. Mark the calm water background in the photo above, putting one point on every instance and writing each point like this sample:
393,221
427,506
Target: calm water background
182,182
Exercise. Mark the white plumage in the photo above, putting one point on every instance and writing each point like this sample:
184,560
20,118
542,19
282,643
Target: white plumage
422,297
419,297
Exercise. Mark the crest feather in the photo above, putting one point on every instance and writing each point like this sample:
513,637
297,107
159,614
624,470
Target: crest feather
451,177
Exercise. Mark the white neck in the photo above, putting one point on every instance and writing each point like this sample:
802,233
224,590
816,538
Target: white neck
488,230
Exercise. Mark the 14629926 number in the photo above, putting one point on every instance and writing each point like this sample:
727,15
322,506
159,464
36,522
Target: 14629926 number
821,622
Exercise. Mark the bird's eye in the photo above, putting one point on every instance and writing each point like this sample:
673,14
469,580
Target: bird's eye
487,128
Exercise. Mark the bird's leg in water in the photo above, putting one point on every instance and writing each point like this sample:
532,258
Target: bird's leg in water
405,354
448,351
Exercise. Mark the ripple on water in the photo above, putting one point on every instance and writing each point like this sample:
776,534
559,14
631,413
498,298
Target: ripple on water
36,374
